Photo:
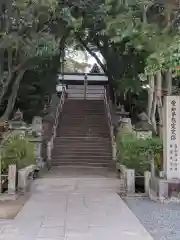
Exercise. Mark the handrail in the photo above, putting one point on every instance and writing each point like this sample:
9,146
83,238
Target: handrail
54,129
111,129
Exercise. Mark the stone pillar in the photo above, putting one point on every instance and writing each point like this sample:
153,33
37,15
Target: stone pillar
163,190
37,126
130,180
38,150
114,151
49,148
12,179
125,127
22,180
171,137
147,177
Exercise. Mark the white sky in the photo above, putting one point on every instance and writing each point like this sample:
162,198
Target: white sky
81,56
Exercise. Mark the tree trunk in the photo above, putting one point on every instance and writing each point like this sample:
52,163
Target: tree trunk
13,96
168,79
153,113
159,100
150,96
5,86
5,81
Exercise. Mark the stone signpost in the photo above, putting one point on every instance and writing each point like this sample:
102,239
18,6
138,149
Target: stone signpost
171,137
37,125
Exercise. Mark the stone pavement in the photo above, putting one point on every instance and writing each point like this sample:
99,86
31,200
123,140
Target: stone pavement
68,206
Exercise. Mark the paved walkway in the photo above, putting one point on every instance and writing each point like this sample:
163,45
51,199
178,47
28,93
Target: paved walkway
74,206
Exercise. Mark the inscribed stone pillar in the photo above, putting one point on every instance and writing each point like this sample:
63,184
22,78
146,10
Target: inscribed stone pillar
171,137
37,125
12,179
130,180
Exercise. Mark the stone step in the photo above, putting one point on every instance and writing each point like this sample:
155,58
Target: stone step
69,148
82,164
64,149
81,127
82,144
83,136
87,128
84,123
91,154
92,132
83,141
81,157
97,139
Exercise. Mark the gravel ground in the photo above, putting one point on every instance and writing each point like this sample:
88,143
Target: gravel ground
161,220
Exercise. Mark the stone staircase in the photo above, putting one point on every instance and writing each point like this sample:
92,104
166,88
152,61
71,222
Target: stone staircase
83,135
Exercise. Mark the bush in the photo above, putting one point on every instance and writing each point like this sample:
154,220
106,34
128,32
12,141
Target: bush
134,153
17,150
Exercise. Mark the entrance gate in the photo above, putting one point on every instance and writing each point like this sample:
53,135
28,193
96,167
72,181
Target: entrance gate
85,86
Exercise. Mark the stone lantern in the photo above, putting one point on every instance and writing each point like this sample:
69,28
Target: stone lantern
143,128
124,122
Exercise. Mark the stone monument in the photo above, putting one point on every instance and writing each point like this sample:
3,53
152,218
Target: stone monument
167,188
37,132
171,137
143,128
123,124
37,126
18,116
18,120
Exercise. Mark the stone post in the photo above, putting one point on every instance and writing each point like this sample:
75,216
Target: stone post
38,150
12,179
171,137
49,148
37,126
130,180
114,151
147,177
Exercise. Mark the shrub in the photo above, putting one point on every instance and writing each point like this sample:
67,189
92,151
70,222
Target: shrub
134,153
17,150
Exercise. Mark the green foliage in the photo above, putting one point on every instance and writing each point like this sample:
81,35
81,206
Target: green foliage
17,150
134,153
37,84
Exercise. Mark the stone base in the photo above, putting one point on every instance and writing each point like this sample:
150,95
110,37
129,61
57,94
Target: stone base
25,178
164,190
9,197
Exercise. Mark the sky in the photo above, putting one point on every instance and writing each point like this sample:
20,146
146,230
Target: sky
81,56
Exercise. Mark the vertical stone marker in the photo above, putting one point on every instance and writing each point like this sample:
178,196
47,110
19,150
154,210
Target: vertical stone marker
37,125
171,137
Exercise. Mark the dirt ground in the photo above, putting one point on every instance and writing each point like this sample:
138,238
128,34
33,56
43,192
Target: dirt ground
10,208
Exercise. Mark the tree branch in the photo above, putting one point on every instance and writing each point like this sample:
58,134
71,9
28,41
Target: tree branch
93,54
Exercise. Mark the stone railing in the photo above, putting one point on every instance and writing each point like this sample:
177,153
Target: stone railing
50,144
128,178
111,128
4,177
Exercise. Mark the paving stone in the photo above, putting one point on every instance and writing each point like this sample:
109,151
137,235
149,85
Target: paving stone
51,232
61,238
54,221
77,223
63,208
16,237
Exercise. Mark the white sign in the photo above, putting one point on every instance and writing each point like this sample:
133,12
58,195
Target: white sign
171,138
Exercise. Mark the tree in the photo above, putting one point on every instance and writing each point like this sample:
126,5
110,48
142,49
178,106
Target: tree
138,41
27,41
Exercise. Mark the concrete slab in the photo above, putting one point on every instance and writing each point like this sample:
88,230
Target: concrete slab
82,208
